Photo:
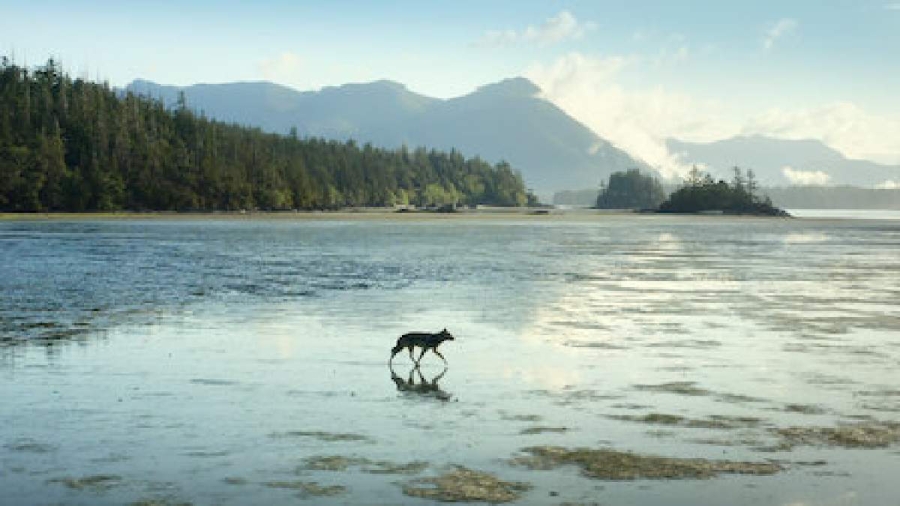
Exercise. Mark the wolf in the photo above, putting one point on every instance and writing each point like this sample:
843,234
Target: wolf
424,340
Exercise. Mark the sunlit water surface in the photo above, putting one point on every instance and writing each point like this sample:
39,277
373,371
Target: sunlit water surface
202,360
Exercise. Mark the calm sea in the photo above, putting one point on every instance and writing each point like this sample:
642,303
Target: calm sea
207,361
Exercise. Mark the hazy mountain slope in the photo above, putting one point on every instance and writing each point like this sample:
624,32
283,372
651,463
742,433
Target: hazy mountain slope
506,121
768,157
264,104
501,121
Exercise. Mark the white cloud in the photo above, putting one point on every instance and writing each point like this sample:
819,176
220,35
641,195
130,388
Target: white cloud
842,125
638,121
892,7
282,68
805,177
553,30
890,184
777,30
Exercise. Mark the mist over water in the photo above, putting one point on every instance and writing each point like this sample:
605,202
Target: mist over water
210,360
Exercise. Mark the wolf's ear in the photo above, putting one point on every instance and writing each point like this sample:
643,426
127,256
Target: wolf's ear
445,329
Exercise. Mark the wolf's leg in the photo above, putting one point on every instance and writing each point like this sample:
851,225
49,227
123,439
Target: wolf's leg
436,352
421,355
411,356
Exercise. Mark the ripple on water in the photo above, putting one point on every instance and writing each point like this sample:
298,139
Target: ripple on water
321,436
27,445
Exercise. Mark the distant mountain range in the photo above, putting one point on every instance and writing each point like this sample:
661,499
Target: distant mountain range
502,121
779,162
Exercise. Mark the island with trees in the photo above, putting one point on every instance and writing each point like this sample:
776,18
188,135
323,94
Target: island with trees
703,194
631,189
73,145
700,193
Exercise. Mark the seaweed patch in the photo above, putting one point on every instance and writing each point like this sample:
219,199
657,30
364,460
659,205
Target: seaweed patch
466,485
615,465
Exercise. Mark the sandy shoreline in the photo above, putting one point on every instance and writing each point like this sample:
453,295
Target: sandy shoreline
499,213
343,214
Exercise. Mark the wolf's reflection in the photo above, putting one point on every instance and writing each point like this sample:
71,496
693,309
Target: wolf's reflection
421,387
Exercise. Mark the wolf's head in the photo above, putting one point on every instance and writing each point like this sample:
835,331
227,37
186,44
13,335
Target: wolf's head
446,336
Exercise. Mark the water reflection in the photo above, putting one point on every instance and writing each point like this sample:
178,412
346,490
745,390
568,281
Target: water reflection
422,387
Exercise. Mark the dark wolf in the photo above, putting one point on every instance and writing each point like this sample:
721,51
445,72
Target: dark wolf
424,340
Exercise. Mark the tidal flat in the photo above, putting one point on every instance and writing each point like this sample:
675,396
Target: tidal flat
612,359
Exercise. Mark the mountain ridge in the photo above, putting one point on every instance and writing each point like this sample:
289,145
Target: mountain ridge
808,160
501,121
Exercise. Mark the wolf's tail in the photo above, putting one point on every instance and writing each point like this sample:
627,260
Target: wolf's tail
395,350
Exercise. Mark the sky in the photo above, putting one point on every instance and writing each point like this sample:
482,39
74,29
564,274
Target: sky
635,72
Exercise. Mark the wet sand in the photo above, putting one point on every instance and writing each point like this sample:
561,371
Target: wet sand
627,362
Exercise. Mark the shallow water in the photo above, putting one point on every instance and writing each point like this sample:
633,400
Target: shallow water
205,361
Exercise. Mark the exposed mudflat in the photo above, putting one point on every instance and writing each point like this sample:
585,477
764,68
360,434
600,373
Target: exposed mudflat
628,360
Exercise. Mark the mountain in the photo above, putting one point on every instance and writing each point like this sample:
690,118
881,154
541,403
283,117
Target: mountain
501,121
780,162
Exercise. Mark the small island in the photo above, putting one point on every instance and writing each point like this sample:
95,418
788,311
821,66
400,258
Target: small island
700,194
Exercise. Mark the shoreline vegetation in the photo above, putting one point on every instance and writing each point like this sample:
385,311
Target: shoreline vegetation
75,145
377,213
700,194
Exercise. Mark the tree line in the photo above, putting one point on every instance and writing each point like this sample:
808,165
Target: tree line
630,189
633,189
72,145
701,192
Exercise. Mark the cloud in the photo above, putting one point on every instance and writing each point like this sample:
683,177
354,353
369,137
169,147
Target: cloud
638,121
892,7
844,126
805,177
890,184
777,30
553,30
589,88
283,68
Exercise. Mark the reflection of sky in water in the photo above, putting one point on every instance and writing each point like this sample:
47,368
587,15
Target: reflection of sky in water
219,340
805,238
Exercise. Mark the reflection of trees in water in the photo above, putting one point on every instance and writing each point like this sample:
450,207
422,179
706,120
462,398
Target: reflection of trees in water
421,387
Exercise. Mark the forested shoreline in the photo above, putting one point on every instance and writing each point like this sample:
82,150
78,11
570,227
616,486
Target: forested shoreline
71,145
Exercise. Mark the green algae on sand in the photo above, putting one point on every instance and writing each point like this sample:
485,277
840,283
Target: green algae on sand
329,437
97,483
309,488
331,463
542,430
466,485
160,502
863,435
341,463
711,422
607,464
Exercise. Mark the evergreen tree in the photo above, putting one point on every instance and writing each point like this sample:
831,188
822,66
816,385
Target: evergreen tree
72,145
631,190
